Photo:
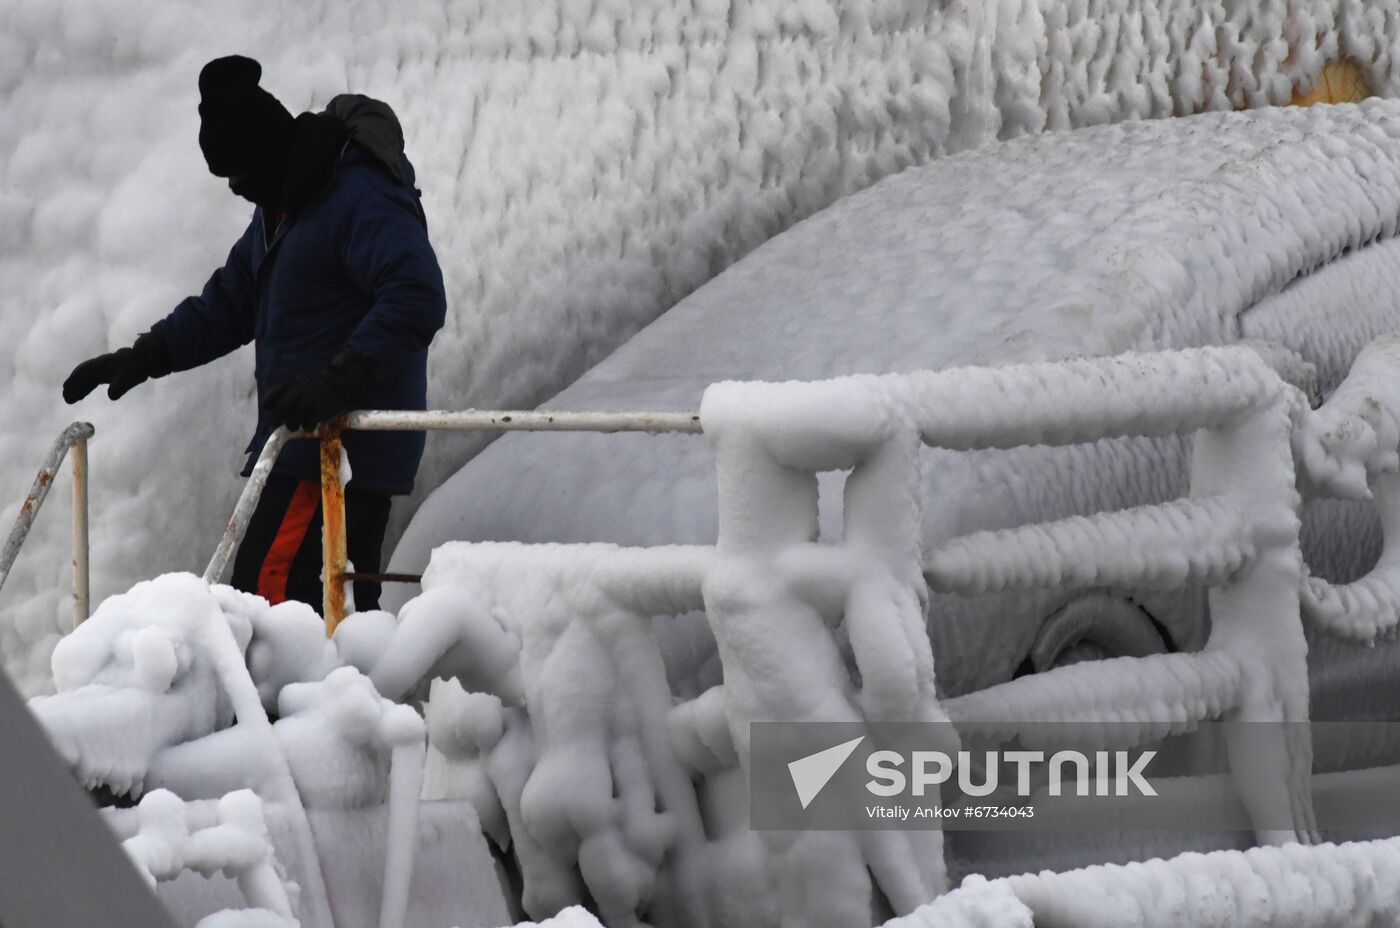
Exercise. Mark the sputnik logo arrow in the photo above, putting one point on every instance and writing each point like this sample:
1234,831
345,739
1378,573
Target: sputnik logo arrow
810,774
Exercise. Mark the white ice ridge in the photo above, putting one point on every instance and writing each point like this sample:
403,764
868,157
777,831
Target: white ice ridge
584,165
237,845
1355,885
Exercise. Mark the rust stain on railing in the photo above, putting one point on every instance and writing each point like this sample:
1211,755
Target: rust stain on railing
333,548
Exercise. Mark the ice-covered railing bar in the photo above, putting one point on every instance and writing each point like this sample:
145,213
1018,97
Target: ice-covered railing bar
1146,698
1353,885
1069,402
1202,541
411,420
238,845
1350,448
1059,403
247,502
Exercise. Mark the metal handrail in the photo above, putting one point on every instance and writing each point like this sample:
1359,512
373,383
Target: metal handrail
247,501
76,437
333,548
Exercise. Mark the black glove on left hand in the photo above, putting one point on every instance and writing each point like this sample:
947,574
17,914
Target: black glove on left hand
304,401
121,369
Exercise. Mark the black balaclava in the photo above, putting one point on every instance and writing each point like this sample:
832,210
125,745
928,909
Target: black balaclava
244,132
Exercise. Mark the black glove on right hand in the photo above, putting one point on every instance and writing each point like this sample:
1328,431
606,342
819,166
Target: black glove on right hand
121,369
305,400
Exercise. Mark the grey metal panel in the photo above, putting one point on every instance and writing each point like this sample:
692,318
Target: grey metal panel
59,863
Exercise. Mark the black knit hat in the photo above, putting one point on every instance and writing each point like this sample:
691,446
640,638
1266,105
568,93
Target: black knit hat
242,127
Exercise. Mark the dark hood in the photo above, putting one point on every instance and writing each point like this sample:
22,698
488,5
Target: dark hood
372,125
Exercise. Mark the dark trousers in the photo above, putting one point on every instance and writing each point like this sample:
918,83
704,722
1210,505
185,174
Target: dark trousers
280,557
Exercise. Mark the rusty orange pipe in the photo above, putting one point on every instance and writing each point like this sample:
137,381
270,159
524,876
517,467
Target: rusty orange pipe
333,550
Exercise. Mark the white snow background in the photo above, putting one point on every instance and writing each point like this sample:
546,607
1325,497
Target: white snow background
584,165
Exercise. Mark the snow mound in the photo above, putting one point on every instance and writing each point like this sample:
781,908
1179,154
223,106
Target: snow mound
584,165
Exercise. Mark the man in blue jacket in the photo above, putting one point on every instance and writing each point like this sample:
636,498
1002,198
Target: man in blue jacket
335,282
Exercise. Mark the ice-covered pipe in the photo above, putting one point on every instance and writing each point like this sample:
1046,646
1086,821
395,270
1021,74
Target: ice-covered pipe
1366,609
1137,699
1067,402
1203,541
826,425
238,845
227,658
404,731
1353,885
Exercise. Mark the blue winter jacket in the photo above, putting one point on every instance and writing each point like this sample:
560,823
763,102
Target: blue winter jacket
354,269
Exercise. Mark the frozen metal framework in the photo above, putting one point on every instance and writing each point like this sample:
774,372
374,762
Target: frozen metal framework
333,495
1258,449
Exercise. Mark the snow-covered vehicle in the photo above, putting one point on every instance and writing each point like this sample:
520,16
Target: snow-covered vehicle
1274,227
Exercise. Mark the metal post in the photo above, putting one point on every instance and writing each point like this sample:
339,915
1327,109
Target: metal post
38,493
80,532
333,548
247,502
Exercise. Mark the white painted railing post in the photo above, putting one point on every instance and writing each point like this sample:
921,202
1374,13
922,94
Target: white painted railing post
247,502
81,592
76,434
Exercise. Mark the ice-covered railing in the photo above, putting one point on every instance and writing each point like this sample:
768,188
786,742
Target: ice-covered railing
1236,532
168,843
775,597
1356,884
557,648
